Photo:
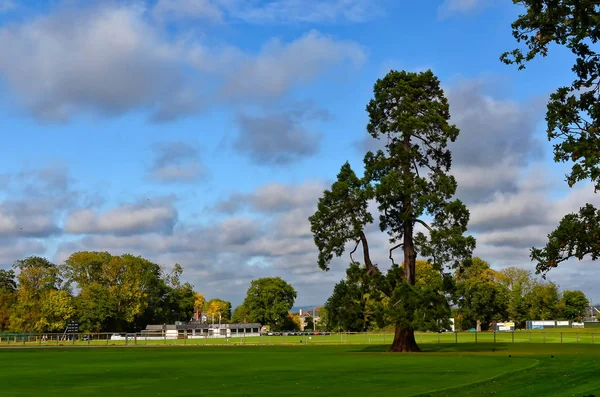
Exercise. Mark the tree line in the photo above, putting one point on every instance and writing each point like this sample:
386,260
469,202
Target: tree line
100,291
474,293
108,293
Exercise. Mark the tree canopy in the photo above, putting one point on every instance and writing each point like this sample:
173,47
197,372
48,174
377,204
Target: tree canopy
573,113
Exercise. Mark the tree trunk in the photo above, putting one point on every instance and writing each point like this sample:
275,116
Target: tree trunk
370,268
404,341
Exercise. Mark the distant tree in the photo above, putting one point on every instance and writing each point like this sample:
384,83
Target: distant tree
119,293
519,283
543,301
347,306
217,307
323,322
575,305
309,323
240,315
291,323
8,288
269,300
573,113
409,180
480,295
41,304
199,304
8,283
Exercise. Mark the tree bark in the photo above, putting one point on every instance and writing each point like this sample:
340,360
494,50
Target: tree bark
404,341
367,257
404,338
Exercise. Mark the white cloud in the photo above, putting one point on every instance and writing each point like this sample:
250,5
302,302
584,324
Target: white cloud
110,59
123,220
176,162
453,7
272,11
280,66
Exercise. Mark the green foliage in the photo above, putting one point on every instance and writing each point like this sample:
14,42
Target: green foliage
543,301
341,217
519,283
38,281
577,236
575,305
480,295
347,308
8,283
240,315
117,292
573,113
269,300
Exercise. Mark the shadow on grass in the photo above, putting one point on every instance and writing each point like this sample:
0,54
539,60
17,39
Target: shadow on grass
442,347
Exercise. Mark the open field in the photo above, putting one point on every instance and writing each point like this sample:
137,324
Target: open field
558,335
357,370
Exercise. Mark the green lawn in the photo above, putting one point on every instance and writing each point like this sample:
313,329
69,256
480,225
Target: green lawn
558,335
352,370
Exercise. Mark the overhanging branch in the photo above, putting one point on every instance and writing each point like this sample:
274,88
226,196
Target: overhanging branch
354,250
424,224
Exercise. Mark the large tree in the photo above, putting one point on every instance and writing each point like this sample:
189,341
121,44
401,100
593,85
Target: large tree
269,300
120,292
573,113
409,180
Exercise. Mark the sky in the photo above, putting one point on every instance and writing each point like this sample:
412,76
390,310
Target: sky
202,132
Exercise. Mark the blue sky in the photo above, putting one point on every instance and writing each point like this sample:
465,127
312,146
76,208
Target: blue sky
202,132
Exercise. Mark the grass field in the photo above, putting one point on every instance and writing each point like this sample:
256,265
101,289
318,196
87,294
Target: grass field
559,335
354,370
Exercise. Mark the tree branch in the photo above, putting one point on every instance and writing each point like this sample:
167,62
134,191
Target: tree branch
354,250
424,224
392,249
370,268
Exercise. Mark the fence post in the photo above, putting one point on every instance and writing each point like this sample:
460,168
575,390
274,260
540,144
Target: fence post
475,336
530,337
438,337
421,336
513,337
561,337
494,336
577,336
544,337
456,337
592,338
185,336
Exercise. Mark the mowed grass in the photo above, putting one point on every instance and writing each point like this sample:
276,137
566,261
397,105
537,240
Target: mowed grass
556,335
356,370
